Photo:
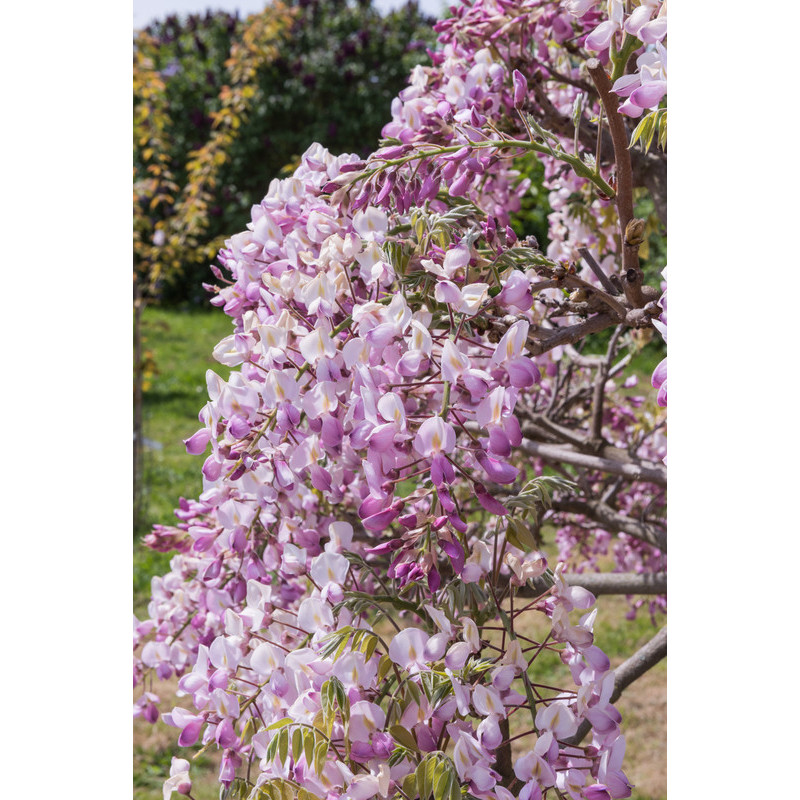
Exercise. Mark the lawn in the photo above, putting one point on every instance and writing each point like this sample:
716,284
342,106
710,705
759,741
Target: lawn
180,343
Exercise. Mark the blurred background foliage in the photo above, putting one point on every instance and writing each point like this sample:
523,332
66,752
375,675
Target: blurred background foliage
223,105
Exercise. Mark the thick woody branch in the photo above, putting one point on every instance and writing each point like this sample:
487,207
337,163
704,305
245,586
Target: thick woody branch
636,666
609,518
632,276
620,582
640,662
545,339
574,282
612,460
608,583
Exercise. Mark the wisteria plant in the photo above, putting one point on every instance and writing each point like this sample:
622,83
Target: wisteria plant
410,400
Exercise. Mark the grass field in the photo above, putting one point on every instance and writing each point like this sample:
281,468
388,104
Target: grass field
181,344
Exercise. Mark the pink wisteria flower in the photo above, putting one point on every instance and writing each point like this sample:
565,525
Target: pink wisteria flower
645,88
395,350
178,780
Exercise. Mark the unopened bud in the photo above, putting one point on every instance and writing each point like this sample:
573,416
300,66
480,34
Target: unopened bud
520,88
532,242
653,309
579,296
634,232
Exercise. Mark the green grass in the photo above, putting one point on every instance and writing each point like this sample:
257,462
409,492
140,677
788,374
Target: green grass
181,343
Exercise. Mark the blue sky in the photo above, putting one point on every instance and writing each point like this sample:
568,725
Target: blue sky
144,11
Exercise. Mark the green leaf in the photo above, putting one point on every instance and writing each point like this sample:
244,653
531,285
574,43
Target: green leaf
384,666
650,133
421,774
320,756
272,748
441,776
283,745
297,744
341,697
279,724
662,129
404,737
309,742
577,109
413,690
369,648
644,131
340,649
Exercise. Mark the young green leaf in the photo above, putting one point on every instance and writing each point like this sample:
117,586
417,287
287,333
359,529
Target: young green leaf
404,737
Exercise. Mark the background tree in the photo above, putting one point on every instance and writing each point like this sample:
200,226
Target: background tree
325,71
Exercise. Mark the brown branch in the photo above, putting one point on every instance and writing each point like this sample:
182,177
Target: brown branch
612,460
631,274
609,518
636,666
599,393
546,429
547,338
599,583
620,582
598,270
503,762
574,282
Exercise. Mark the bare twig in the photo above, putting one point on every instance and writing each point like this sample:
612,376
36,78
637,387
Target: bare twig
598,270
598,396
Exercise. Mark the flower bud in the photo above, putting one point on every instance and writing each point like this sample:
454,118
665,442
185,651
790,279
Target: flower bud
520,88
634,232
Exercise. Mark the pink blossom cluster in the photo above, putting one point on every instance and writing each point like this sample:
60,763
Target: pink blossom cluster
331,606
645,24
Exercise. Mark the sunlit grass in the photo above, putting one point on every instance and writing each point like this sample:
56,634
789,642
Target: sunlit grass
181,343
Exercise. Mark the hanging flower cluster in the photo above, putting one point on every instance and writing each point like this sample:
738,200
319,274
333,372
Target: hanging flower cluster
344,609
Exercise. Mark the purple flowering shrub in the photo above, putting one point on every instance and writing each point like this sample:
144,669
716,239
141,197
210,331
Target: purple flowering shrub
410,408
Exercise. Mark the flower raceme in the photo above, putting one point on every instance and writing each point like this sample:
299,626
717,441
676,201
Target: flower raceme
331,606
